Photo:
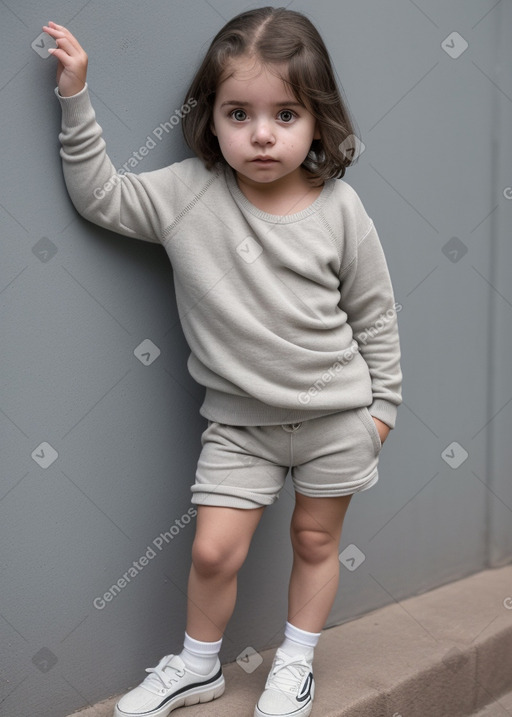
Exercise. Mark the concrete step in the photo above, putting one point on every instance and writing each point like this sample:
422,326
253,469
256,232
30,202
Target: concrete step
446,653
502,707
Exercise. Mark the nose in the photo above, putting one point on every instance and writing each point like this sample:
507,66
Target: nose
262,133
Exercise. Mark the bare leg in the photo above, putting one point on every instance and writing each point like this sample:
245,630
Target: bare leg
222,540
315,533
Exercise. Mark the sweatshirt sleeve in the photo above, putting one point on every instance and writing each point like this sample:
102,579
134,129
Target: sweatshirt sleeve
119,202
367,298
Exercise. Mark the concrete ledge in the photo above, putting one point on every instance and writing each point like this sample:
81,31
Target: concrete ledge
498,708
446,653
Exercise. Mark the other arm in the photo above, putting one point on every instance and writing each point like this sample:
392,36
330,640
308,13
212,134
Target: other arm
367,298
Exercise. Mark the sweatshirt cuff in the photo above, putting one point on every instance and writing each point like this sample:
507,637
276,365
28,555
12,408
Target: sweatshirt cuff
384,411
75,108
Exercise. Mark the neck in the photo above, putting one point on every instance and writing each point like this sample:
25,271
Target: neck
288,195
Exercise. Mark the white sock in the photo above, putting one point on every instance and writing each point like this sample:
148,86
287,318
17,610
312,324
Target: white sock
200,656
299,642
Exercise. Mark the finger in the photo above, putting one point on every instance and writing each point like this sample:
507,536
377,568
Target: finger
62,56
60,32
55,26
64,43
68,60
53,29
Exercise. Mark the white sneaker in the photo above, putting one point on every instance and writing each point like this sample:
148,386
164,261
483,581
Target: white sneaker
289,690
168,686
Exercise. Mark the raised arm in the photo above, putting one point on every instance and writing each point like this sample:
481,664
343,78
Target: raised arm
120,202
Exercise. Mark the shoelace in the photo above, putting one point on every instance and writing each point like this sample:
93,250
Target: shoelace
287,673
163,675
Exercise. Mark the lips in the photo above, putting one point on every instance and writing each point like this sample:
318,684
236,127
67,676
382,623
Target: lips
264,160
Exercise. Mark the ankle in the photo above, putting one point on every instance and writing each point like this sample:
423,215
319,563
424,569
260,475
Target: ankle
299,642
199,656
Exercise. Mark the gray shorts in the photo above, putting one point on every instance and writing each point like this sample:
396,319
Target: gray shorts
246,466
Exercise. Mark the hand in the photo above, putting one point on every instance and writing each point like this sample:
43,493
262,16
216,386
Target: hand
72,65
382,428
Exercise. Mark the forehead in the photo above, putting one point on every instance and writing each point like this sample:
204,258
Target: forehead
249,75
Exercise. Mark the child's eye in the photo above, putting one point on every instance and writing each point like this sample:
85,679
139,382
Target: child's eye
239,115
286,116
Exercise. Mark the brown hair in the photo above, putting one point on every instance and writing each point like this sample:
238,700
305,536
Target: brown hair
276,35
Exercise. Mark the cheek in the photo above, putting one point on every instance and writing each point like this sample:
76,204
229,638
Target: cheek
228,146
228,140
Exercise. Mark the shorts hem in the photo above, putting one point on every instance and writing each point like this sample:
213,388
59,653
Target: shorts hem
334,491
229,501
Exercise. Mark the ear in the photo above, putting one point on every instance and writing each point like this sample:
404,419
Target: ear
212,128
317,134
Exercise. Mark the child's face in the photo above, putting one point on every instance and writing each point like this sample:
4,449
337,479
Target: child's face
263,132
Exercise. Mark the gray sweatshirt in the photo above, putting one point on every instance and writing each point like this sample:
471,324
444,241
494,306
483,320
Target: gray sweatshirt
287,317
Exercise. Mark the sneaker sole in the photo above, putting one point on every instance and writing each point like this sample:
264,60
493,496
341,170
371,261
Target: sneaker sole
202,693
301,712
298,713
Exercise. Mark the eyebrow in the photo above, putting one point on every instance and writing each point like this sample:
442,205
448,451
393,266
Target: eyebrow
248,104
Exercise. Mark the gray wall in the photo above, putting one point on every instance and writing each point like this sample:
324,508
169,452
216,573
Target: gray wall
77,301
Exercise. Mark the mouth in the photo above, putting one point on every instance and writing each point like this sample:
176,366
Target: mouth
263,160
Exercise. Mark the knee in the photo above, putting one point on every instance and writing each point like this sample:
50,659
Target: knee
313,546
212,559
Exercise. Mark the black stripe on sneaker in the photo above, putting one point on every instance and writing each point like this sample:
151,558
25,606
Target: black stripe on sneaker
188,687
305,690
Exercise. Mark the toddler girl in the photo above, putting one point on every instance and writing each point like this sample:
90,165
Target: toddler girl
286,303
